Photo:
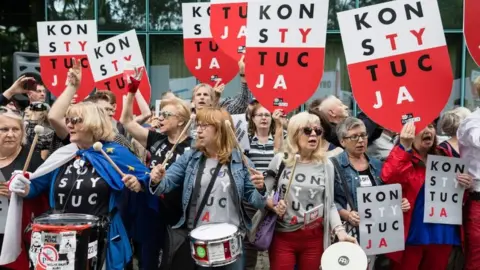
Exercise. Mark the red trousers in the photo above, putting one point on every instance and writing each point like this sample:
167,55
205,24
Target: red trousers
303,248
425,257
472,235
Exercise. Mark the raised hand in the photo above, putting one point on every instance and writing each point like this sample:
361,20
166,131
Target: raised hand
74,76
407,135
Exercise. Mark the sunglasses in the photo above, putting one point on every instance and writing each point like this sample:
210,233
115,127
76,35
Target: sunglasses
38,107
73,120
166,114
308,131
4,109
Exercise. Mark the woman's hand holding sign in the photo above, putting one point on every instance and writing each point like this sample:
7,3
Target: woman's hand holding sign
407,135
354,218
465,180
405,205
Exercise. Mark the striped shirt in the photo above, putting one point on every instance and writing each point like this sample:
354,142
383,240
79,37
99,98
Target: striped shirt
261,154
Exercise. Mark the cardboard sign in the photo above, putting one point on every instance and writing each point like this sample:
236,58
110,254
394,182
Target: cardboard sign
203,56
241,130
471,24
58,43
285,51
228,20
381,219
107,59
397,60
443,193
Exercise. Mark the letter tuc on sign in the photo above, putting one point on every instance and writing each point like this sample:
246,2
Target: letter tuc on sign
471,24
285,51
398,61
108,59
228,20
203,57
58,43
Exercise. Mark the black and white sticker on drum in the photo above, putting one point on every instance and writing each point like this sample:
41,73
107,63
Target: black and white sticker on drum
53,250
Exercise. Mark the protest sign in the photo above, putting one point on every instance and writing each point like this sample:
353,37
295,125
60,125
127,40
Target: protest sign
228,20
398,61
285,49
241,130
471,24
108,59
202,55
381,219
58,43
443,193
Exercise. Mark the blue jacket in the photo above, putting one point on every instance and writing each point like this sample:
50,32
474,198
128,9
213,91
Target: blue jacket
352,178
119,251
185,169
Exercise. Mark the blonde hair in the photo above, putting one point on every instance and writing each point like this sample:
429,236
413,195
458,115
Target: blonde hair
294,130
95,120
225,142
451,120
20,122
209,88
183,111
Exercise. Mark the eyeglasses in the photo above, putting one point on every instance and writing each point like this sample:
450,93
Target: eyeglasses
202,127
38,107
266,115
166,114
357,137
308,131
4,109
74,120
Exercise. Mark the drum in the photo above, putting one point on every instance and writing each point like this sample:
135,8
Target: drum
67,241
216,245
344,256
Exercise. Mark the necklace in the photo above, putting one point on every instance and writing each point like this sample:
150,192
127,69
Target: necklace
14,153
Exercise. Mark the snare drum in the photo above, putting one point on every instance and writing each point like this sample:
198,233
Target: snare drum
215,245
67,241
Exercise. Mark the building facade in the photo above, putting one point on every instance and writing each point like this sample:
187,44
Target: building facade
159,27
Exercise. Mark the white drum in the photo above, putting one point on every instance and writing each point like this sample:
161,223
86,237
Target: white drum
344,256
215,245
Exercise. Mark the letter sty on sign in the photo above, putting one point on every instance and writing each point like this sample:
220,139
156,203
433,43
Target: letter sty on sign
285,51
58,43
228,21
107,61
203,56
398,61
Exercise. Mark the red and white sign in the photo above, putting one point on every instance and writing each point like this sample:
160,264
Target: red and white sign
203,57
47,255
471,26
228,20
58,43
398,61
285,51
108,60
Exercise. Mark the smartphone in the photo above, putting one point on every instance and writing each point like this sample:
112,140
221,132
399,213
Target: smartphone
30,85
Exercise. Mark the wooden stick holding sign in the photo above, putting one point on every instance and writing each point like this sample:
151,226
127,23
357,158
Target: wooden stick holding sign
38,131
170,153
98,146
297,156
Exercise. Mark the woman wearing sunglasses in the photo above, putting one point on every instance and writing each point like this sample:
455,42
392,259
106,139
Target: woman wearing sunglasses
305,184
13,155
174,116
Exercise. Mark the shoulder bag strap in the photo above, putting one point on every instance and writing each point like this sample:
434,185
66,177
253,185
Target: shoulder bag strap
339,170
207,191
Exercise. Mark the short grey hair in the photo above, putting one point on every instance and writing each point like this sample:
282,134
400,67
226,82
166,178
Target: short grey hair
451,120
348,124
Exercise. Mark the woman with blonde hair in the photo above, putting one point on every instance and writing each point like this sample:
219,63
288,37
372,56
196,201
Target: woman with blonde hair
449,124
81,180
215,161
304,177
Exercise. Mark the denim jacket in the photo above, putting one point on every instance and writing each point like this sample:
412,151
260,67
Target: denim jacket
185,169
353,179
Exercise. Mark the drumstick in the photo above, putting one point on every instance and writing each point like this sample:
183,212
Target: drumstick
170,153
38,130
244,158
297,156
98,146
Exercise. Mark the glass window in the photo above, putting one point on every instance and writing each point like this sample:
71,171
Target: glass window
337,6
166,15
450,10
472,72
335,80
117,15
58,10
